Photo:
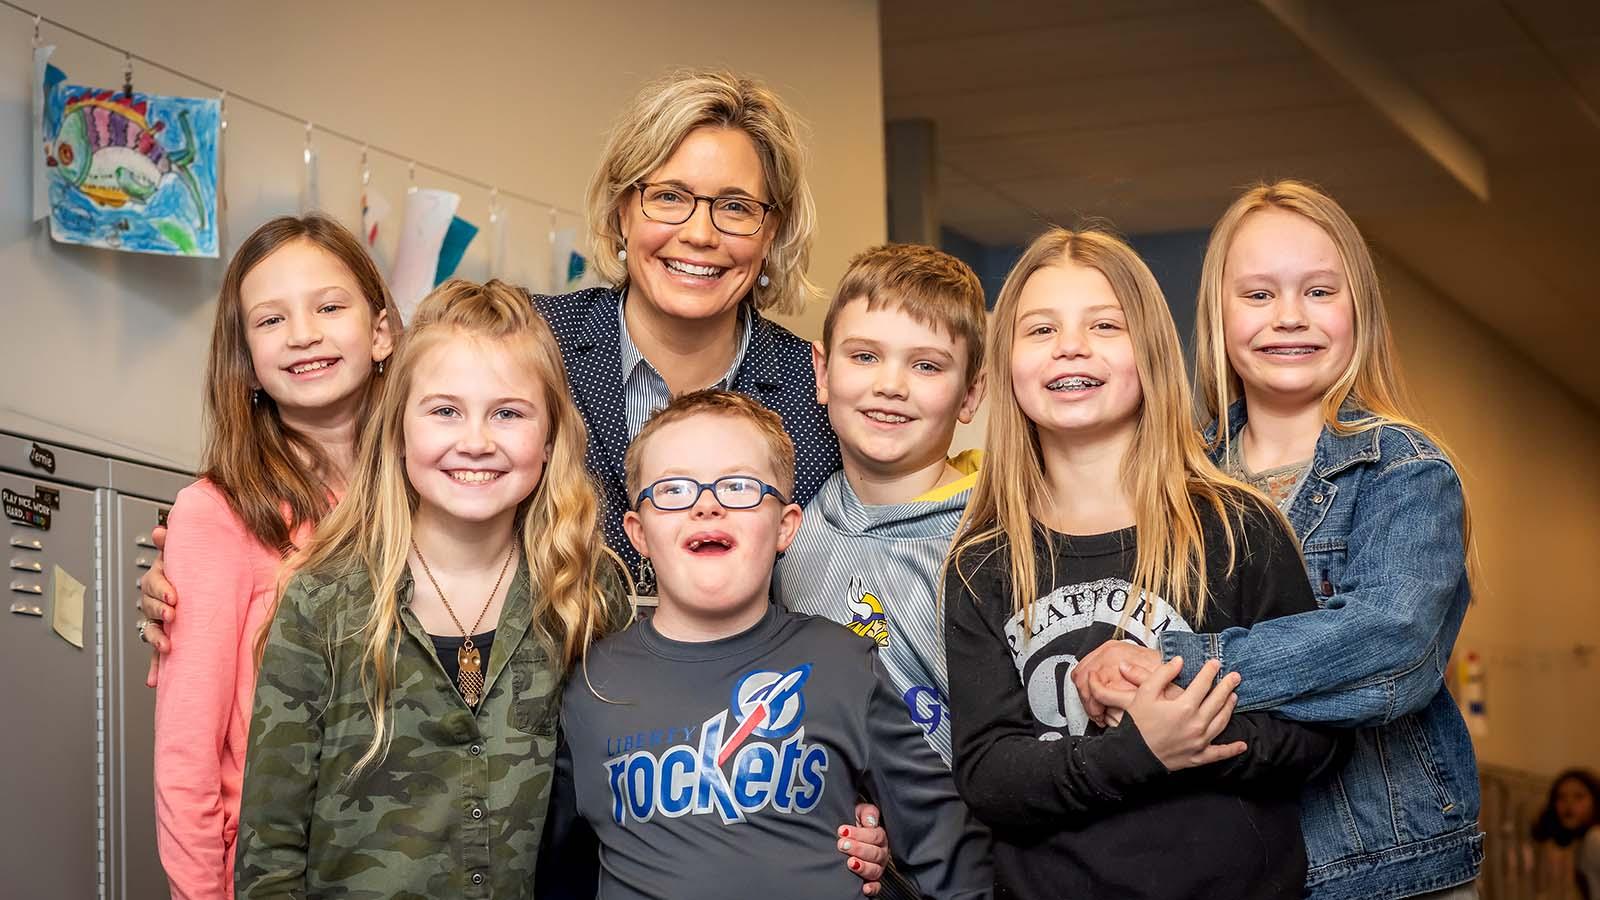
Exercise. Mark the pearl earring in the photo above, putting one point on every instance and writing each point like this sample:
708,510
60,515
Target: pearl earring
380,367
622,255
763,280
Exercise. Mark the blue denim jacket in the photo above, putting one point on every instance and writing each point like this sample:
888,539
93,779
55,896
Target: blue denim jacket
1379,520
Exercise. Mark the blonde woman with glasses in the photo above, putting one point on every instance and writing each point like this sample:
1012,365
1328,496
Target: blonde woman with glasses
701,218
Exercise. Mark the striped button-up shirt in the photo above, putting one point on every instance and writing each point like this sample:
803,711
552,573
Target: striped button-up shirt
643,388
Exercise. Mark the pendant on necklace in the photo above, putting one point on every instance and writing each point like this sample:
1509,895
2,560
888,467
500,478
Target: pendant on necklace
471,679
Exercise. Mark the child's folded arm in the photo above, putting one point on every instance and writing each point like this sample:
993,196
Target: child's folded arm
1006,773
932,836
1280,752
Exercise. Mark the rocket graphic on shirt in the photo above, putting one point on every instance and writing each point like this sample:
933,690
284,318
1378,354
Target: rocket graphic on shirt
749,757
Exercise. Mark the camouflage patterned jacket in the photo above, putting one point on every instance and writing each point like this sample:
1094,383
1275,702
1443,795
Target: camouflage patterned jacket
456,808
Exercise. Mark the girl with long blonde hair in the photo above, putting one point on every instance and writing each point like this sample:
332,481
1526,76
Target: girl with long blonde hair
302,329
1097,517
406,710
1298,380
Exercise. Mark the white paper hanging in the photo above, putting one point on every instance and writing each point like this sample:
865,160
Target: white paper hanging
41,184
427,218
499,227
310,190
374,209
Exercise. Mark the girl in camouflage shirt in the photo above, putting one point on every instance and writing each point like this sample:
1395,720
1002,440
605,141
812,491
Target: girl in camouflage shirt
404,727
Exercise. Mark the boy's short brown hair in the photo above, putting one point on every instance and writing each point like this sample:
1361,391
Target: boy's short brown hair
780,448
931,286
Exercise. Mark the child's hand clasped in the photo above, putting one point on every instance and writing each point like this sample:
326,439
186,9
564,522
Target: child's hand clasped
1179,728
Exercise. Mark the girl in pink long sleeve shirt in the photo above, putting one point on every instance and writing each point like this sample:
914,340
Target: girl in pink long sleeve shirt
303,326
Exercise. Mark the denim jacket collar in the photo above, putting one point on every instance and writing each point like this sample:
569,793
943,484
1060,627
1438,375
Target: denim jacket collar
1335,452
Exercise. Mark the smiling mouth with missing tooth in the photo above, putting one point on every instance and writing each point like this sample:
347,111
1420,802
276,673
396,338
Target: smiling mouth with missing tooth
712,544
465,476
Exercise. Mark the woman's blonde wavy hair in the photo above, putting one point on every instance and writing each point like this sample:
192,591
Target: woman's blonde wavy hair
1371,383
557,525
649,132
1166,472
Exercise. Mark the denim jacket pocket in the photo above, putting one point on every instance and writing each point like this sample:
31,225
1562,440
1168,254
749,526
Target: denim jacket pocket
1414,773
1325,565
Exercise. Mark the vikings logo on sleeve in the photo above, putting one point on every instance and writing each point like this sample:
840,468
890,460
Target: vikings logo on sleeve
735,769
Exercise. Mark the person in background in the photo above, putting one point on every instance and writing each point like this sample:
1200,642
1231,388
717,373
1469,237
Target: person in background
1567,838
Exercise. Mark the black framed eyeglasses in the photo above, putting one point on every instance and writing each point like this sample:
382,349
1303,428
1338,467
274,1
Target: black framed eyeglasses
732,491
672,205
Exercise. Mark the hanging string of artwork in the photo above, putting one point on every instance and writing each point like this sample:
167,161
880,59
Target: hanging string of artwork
120,169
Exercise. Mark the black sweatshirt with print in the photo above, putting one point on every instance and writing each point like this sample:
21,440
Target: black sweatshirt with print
1082,812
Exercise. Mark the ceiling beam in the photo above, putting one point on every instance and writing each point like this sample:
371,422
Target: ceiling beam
1378,81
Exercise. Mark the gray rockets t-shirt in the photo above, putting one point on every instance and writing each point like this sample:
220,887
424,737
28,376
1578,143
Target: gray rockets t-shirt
723,769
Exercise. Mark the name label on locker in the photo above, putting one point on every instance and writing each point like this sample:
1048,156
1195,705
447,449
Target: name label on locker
41,458
26,510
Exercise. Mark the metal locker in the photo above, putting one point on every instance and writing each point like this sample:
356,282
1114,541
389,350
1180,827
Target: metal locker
49,836
133,866
78,782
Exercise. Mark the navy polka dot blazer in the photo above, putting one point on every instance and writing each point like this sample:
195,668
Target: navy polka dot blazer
776,371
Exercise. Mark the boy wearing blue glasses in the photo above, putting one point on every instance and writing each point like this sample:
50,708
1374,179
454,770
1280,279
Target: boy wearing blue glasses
714,747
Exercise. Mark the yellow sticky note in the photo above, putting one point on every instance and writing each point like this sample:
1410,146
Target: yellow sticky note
66,611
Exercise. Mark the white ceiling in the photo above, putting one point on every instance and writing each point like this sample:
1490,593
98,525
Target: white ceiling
1153,113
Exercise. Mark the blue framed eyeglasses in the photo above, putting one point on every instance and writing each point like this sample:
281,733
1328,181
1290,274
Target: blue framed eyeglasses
732,491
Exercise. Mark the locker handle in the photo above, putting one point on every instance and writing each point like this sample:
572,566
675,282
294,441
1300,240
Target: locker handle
27,543
143,540
142,562
27,565
23,587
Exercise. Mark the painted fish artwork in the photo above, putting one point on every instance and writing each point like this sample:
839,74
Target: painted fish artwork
134,172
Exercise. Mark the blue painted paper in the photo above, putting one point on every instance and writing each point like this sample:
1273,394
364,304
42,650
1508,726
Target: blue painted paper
132,172
454,247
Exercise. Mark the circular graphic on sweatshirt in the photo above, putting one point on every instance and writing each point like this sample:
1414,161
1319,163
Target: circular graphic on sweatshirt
773,700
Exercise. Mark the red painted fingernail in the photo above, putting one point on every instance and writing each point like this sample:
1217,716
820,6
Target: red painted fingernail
855,865
846,832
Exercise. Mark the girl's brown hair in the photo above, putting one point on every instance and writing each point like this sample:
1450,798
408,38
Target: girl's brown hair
261,465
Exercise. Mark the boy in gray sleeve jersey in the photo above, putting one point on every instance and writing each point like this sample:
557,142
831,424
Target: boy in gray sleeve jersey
898,366
713,747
